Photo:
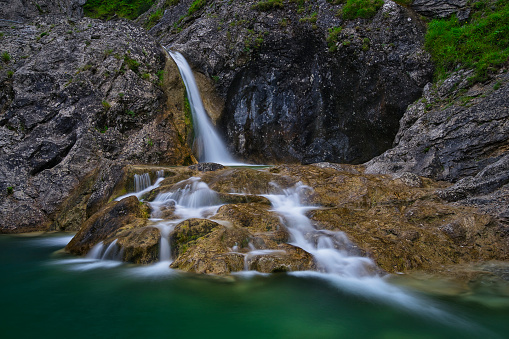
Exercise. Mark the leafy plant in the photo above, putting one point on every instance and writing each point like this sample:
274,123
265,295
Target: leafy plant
106,105
481,44
10,190
332,38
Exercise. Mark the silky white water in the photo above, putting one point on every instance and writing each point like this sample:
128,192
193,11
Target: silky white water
210,146
192,199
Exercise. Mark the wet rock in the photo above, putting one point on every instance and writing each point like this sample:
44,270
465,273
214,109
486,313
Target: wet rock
187,232
286,258
140,245
206,167
106,222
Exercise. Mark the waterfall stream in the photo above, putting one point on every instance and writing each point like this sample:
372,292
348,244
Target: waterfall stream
210,146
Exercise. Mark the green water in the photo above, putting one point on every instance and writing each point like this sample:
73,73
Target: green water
43,296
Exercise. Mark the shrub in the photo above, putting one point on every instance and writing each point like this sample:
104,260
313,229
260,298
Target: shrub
481,44
361,8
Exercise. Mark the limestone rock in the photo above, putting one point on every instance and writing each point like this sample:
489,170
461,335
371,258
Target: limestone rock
457,133
79,99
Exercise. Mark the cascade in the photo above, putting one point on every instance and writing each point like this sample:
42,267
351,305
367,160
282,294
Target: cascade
194,199
330,249
210,146
142,185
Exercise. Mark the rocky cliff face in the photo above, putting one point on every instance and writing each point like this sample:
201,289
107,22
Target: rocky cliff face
300,83
458,133
79,98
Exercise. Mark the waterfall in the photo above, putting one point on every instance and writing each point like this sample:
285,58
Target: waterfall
210,146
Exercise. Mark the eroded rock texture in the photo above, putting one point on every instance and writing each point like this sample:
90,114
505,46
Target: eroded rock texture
79,98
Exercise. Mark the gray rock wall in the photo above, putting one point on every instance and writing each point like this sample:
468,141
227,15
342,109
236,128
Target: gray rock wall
290,99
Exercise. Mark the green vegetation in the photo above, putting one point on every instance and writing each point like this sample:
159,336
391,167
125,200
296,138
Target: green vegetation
10,74
196,6
160,77
132,64
10,190
361,8
310,19
154,18
268,5
6,57
337,2
332,38
105,9
481,44
497,85
1,35
106,105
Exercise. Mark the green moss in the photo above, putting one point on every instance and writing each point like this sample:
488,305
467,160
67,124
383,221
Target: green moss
361,8
268,5
482,43
310,19
105,9
132,64
196,6
106,105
